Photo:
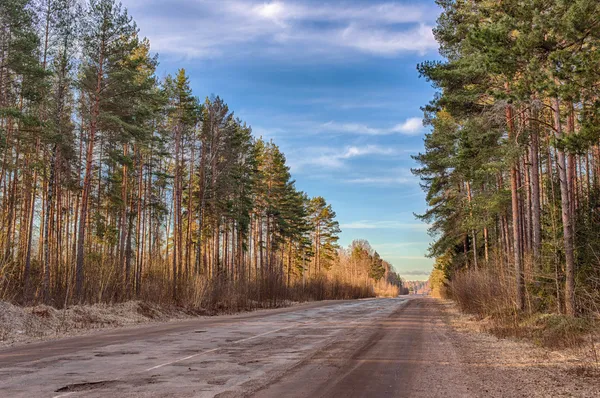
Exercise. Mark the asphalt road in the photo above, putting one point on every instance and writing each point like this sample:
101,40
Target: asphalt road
365,348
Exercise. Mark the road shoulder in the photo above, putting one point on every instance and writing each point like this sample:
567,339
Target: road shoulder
513,368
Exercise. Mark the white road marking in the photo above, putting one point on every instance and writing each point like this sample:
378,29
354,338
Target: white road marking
264,334
181,359
218,348
64,395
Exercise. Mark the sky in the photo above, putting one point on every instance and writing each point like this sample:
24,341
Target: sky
333,84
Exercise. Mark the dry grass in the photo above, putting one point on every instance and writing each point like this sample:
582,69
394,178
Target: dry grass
384,289
482,292
536,370
489,296
196,296
108,302
19,324
217,294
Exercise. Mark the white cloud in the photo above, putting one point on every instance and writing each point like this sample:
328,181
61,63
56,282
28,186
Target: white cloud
398,245
393,176
374,14
419,39
380,180
366,224
236,28
274,10
354,151
415,272
353,128
345,104
411,126
266,133
333,158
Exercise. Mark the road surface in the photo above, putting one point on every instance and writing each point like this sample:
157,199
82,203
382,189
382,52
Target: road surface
366,348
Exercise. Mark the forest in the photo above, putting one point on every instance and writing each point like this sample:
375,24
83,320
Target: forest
511,167
118,185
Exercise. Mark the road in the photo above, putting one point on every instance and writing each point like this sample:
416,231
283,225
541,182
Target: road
365,348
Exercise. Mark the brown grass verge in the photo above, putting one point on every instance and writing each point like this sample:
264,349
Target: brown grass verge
489,297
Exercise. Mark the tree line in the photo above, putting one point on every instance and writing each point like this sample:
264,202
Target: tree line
511,166
115,184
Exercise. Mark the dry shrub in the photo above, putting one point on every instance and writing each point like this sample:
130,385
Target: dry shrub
195,293
558,331
24,323
489,296
148,310
588,296
483,292
592,372
10,281
325,287
384,289
220,294
438,284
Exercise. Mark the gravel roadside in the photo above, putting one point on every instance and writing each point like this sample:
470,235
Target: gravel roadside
514,368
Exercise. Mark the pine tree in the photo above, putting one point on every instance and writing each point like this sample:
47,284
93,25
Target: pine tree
114,185
109,36
60,140
183,113
516,88
325,233
377,269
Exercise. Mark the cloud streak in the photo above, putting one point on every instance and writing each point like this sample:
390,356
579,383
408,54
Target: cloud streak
380,180
373,14
415,272
398,245
412,126
302,29
366,224
396,176
334,158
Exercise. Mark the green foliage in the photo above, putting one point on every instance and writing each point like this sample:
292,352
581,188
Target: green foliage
377,270
518,84
118,184
325,231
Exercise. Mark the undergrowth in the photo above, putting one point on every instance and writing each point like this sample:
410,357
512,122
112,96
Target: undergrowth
489,297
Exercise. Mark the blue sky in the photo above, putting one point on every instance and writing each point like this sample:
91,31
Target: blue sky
334,84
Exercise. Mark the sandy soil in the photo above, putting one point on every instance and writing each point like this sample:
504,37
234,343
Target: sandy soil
511,368
20,325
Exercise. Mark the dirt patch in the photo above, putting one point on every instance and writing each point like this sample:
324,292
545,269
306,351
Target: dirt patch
87,386
42,322
516,367
115,354
217,382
